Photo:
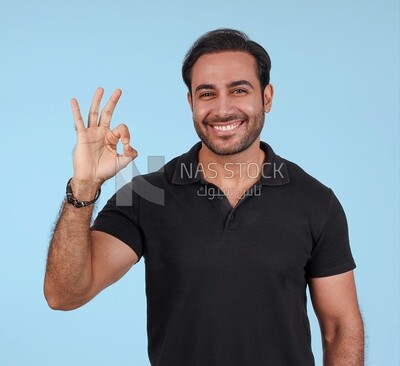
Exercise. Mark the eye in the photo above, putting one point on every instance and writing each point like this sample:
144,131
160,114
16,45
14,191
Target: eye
206,95
239,91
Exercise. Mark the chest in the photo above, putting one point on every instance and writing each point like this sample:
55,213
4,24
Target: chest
263,235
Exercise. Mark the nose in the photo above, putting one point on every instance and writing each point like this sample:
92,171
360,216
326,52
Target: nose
223,106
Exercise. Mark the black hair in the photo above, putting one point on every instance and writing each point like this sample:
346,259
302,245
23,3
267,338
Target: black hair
225,40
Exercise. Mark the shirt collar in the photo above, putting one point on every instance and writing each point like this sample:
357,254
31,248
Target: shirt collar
188,170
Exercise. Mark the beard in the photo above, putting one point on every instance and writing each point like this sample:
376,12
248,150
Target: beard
253,126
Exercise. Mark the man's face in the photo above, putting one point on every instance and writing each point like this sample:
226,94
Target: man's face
226,101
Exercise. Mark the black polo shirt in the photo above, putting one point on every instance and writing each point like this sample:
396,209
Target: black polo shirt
226,286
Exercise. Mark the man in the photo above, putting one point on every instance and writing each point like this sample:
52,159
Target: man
239,234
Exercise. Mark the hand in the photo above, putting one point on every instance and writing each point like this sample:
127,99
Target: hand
95,157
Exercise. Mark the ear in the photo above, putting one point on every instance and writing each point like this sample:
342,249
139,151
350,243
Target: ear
268,95
190,101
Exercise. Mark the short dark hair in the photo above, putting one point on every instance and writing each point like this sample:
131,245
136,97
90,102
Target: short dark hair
225,40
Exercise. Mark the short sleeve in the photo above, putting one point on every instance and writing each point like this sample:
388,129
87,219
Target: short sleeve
119,218
331,253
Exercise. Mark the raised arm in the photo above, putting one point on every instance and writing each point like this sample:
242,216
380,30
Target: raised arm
335,303
82,262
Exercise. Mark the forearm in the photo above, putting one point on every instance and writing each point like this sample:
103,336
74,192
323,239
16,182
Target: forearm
345,346
69,263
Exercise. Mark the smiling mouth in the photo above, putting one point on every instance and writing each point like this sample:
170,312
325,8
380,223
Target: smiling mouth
226,127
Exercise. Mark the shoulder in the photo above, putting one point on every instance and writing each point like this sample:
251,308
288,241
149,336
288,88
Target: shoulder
314,201
290,175
302,180
306,190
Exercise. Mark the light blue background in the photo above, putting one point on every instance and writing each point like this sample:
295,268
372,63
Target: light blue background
335,68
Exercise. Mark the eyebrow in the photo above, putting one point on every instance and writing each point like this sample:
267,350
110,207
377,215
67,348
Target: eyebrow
240,82
230,85
205,87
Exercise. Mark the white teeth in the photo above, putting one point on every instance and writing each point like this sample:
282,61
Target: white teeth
227,127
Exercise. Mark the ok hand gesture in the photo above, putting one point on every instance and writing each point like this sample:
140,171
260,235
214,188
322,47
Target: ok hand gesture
96,158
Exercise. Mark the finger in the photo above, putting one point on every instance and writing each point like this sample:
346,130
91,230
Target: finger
93,117
121,132
106,113
78,120
129,151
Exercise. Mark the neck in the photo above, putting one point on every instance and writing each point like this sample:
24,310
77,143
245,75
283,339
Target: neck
237,169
